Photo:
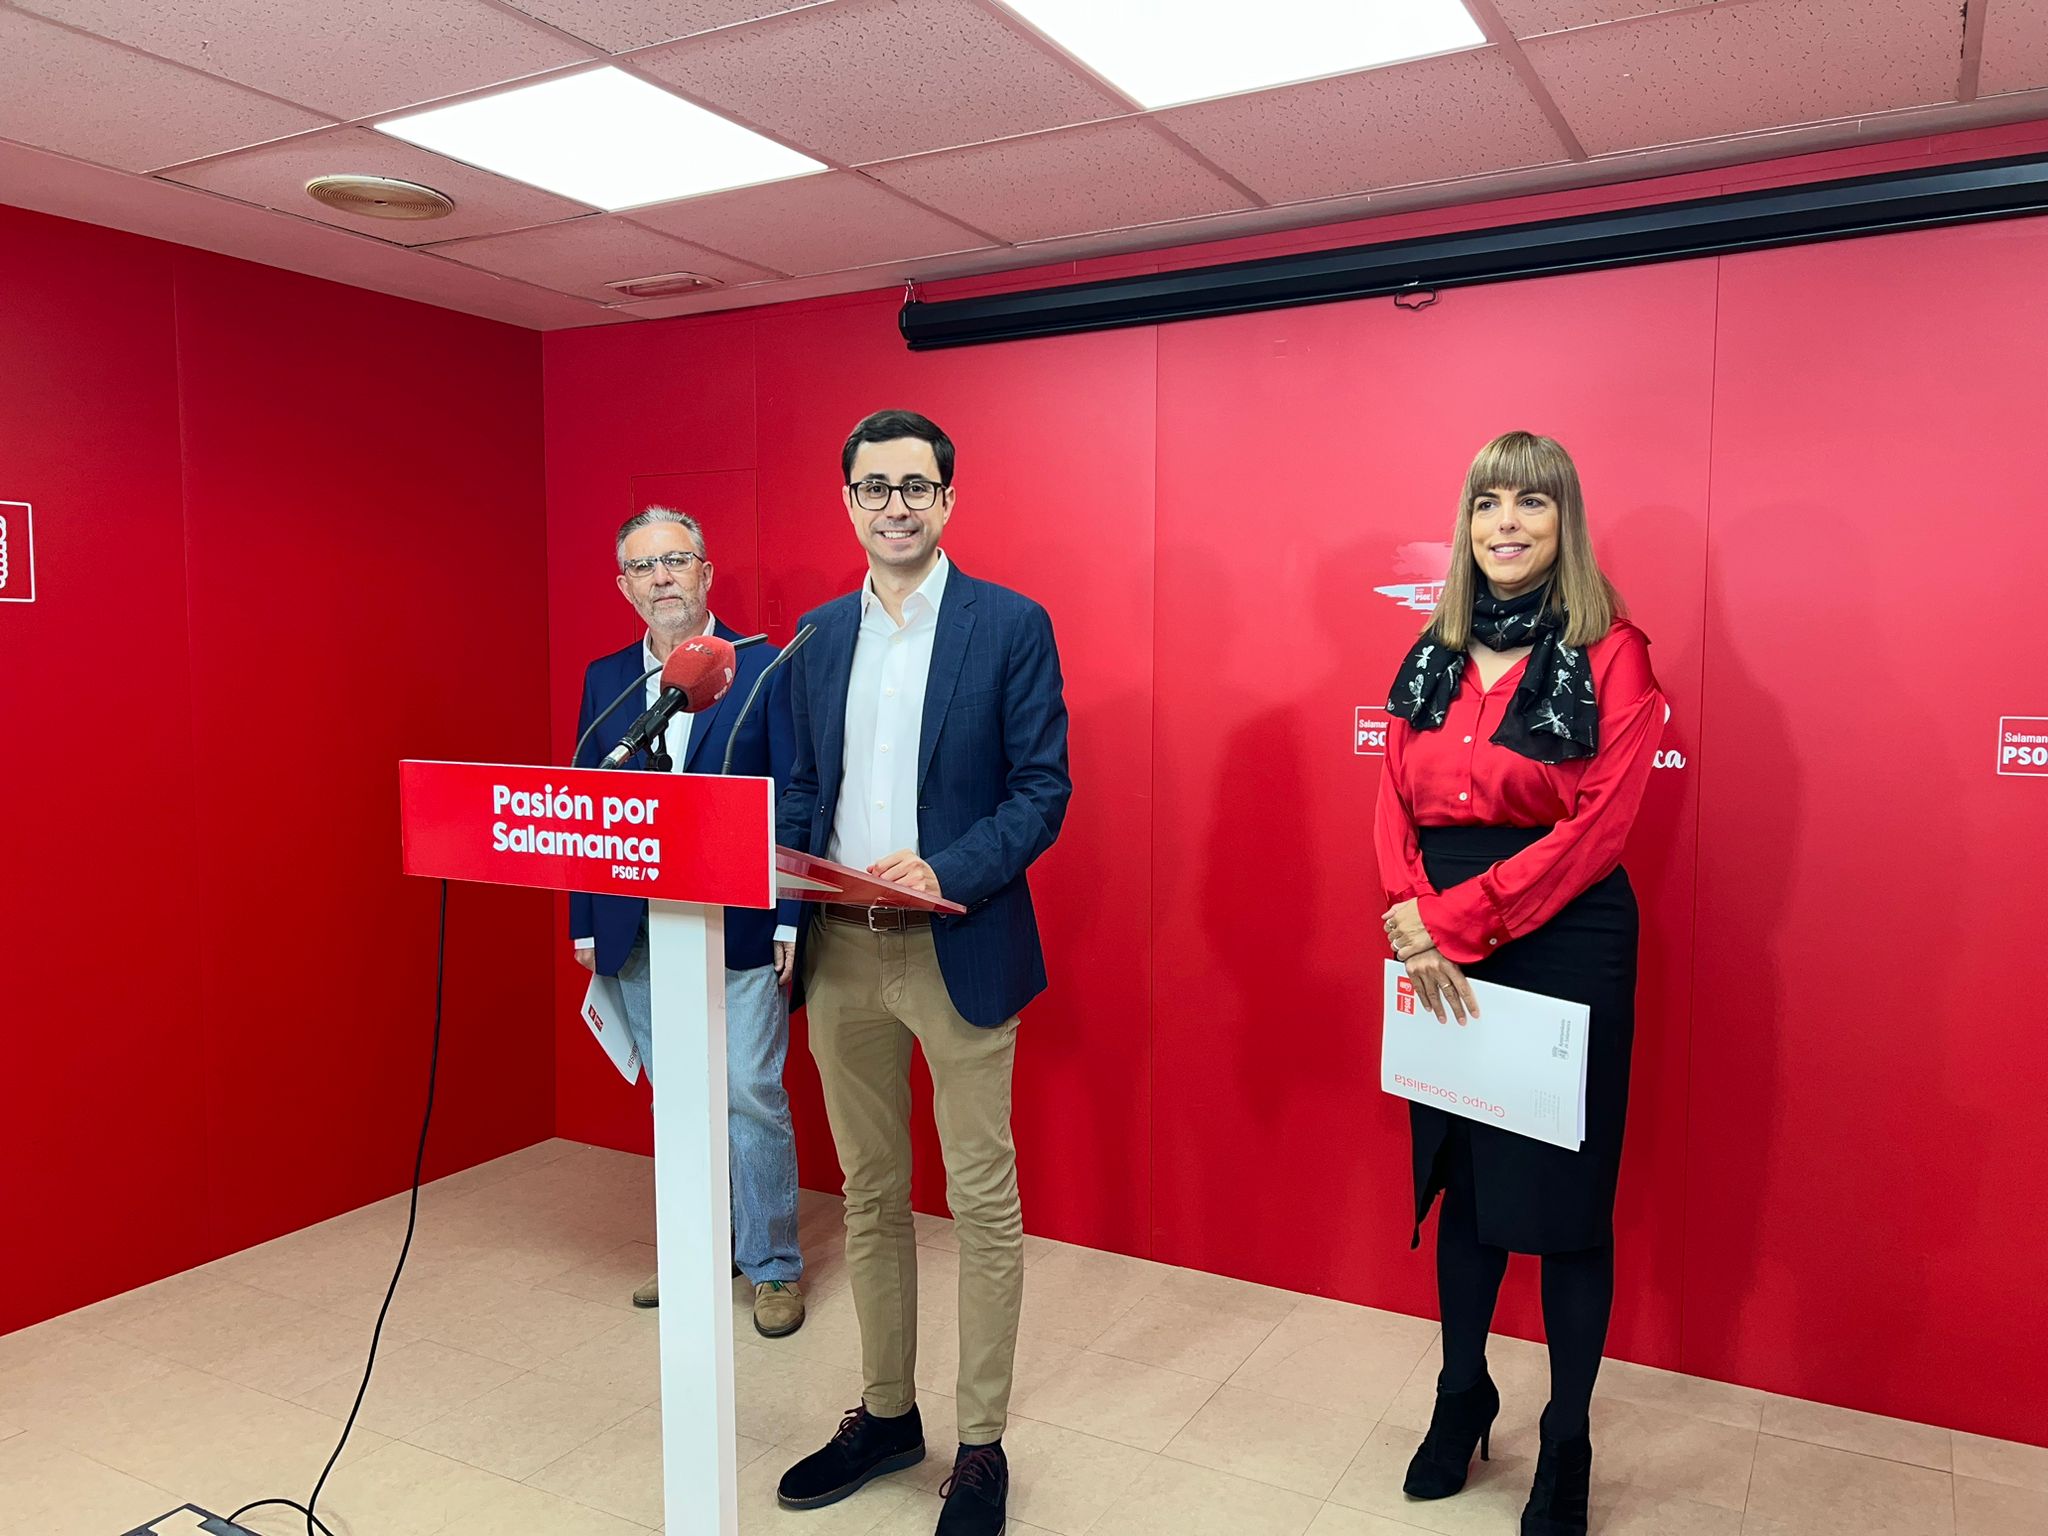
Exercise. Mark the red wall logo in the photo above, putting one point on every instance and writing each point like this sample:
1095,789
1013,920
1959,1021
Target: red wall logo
1426,561
2023,746
1369,731
17,553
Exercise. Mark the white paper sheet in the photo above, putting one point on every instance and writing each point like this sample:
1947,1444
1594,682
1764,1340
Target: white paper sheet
606,1015
1520,1065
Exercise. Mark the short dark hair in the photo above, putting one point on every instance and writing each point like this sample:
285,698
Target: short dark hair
888,427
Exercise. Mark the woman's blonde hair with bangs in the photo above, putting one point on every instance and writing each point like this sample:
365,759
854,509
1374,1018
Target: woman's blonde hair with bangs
1522,461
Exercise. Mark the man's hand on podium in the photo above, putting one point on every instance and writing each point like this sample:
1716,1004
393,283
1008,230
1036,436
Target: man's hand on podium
906,868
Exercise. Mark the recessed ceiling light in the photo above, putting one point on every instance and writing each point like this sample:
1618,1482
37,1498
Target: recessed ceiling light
380,197
605,138
665,285
1164,52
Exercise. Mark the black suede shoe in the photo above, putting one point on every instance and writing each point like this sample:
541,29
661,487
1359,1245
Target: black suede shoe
864,1449
977,1495
1461,1423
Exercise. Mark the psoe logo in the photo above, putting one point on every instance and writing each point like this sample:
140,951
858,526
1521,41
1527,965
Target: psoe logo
1422,596
2023,746
1369,731
17,553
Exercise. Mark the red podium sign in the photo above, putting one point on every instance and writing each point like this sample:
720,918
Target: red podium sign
673,837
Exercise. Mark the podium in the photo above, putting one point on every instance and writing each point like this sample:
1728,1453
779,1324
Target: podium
692,845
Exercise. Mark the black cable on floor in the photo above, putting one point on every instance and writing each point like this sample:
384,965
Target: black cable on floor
314,1522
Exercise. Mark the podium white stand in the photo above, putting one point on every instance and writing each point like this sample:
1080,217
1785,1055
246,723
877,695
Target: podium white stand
692,845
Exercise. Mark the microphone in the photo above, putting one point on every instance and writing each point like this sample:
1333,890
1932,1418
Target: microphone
796,644
699,673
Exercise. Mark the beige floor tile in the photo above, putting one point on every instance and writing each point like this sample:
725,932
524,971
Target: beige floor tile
624,1362
1182,1336
1490,1505
1619,1510
1724,1402
1336,1520
518,1428
413,1385
49,1487
1100,1395
748,1451
1349,1360
609,1279
25,1346
1271,1440
1673,1453
1999,1509
398,1490
1800,1489
214,1442
1039,1358
1222,1294
73,1368
521,1510
344,1268
1064,1482
145,1301
2001,1461
785,1398
1176,1499
1076,1295
1867,1434
501,1320
619,1472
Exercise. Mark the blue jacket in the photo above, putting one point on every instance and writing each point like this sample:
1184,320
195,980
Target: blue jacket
765,749
992,776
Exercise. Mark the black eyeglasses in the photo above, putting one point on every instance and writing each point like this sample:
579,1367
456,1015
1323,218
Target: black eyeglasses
675,561
918,493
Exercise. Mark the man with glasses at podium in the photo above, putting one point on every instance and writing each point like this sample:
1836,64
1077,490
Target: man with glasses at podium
665,575
931,750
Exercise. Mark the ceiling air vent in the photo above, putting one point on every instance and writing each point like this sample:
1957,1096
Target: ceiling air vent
665,286
380,197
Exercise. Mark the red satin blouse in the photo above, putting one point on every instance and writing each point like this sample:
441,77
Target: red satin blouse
1456,776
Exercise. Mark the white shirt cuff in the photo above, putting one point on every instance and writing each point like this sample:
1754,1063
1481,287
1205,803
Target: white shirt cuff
785,933
583,943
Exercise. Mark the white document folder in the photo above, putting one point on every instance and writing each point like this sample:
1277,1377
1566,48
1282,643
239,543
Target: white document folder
1520,1065
605,1013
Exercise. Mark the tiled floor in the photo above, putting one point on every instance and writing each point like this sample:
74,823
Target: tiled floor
516,1393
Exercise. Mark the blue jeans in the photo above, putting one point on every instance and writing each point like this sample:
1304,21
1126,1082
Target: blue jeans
762,1139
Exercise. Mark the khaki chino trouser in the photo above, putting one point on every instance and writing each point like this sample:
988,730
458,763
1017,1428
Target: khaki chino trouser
869,996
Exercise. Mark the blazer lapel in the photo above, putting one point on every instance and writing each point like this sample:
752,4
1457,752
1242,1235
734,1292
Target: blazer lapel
705,726
833,648
949,650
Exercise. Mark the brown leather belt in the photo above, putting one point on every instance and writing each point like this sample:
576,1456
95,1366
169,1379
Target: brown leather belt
874,919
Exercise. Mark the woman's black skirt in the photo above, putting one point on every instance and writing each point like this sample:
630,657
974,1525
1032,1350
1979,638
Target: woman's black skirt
1533,1197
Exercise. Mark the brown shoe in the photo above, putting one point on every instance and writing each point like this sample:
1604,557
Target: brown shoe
649,1295
778,1309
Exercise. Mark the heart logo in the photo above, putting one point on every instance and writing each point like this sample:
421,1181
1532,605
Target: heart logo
653,874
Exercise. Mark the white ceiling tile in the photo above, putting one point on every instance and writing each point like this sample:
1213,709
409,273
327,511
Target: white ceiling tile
101,102
349,58
1461,115
275,176
869,80
812,224
580,256
1737,68
2015,47
616,25
1104,176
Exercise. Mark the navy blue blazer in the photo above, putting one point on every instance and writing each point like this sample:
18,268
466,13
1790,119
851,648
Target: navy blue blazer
766,746
992,776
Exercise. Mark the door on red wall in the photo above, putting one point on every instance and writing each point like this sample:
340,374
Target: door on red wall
723,501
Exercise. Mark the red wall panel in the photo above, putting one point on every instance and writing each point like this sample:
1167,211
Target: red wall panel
1867,1213
271,560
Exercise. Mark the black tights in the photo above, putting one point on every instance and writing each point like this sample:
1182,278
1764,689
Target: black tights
1578,1296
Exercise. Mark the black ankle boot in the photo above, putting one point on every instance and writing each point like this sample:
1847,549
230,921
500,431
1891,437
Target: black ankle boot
1461,1421
1564,1477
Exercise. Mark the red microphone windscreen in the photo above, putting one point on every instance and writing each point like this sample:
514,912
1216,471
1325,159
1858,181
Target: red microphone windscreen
703,667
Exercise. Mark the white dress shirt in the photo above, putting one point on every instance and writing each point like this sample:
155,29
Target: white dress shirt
677,741
877,812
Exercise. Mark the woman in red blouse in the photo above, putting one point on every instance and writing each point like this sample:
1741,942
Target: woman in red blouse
1526,719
